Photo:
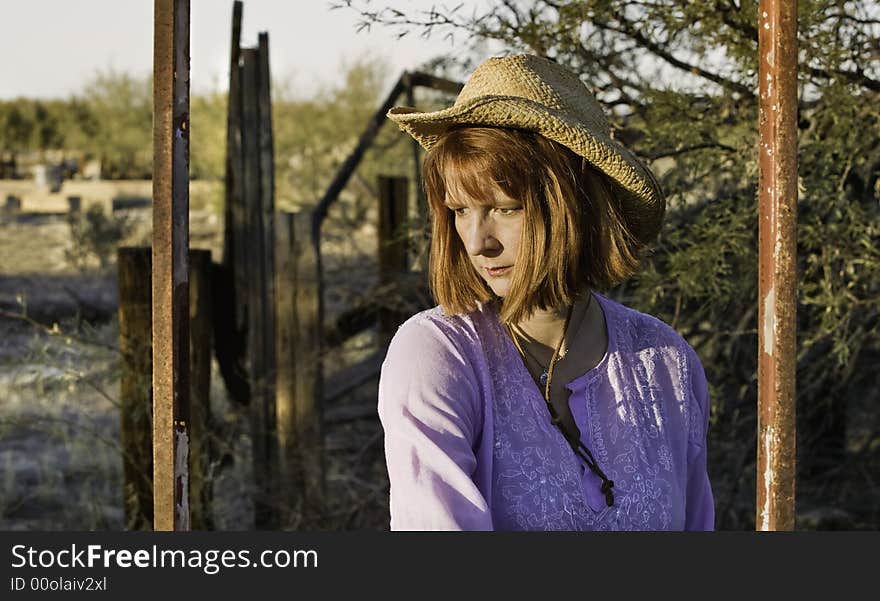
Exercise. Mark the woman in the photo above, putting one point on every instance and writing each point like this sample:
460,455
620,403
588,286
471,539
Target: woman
526,400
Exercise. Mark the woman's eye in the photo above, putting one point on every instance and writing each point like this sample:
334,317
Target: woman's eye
460,211
506,211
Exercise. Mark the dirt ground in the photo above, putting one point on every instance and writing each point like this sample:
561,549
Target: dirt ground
60,453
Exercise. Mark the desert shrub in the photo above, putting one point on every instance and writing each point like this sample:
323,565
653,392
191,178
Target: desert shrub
94,235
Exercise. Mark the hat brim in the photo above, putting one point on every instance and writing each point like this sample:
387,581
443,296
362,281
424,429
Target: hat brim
641,198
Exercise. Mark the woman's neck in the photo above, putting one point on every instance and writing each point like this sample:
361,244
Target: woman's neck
544,328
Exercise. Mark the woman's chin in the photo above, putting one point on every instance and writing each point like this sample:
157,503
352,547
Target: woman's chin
500,290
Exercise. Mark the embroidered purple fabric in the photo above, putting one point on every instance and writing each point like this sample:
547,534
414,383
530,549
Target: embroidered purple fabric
469,444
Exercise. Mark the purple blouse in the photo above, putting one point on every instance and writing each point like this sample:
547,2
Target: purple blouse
469,444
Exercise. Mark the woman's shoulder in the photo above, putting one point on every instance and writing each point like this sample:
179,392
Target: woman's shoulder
639,330
642,335
435,326
436,335
435,316
431,374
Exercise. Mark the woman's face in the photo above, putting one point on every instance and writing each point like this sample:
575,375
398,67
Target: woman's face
489,229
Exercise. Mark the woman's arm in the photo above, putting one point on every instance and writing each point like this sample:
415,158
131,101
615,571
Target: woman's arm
700,504
430,409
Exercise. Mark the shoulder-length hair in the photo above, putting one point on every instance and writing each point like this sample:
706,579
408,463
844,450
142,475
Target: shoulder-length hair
573,235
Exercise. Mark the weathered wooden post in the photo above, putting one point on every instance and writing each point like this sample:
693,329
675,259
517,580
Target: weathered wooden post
299,406
261,346
234,251
291,477
230,276
170,301
200,456
392,249
135,318
777,264
267,220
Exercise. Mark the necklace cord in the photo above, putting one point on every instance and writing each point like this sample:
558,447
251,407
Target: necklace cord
577,446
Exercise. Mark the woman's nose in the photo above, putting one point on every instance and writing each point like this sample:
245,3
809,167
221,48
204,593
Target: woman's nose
479,237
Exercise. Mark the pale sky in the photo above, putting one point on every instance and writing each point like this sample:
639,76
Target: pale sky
49,48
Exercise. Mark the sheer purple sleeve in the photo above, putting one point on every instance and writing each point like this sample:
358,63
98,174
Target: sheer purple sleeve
700,504
430,409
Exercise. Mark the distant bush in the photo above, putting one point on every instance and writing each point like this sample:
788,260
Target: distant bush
94,235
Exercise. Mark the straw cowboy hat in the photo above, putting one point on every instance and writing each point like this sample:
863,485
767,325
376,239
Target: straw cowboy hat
536,94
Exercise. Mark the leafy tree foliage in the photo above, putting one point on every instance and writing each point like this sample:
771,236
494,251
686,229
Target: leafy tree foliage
122,105
27,125
207,150
110,120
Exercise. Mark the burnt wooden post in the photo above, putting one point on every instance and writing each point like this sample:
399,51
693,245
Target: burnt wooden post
392,250
267,216
260,342
230,277
135,385
170,301
299,408
777,264
200,413
234,256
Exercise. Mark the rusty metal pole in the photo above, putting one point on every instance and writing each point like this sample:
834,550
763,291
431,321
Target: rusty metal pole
777,264
171,386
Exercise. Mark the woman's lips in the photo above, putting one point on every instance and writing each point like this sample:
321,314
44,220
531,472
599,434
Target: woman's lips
498,271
